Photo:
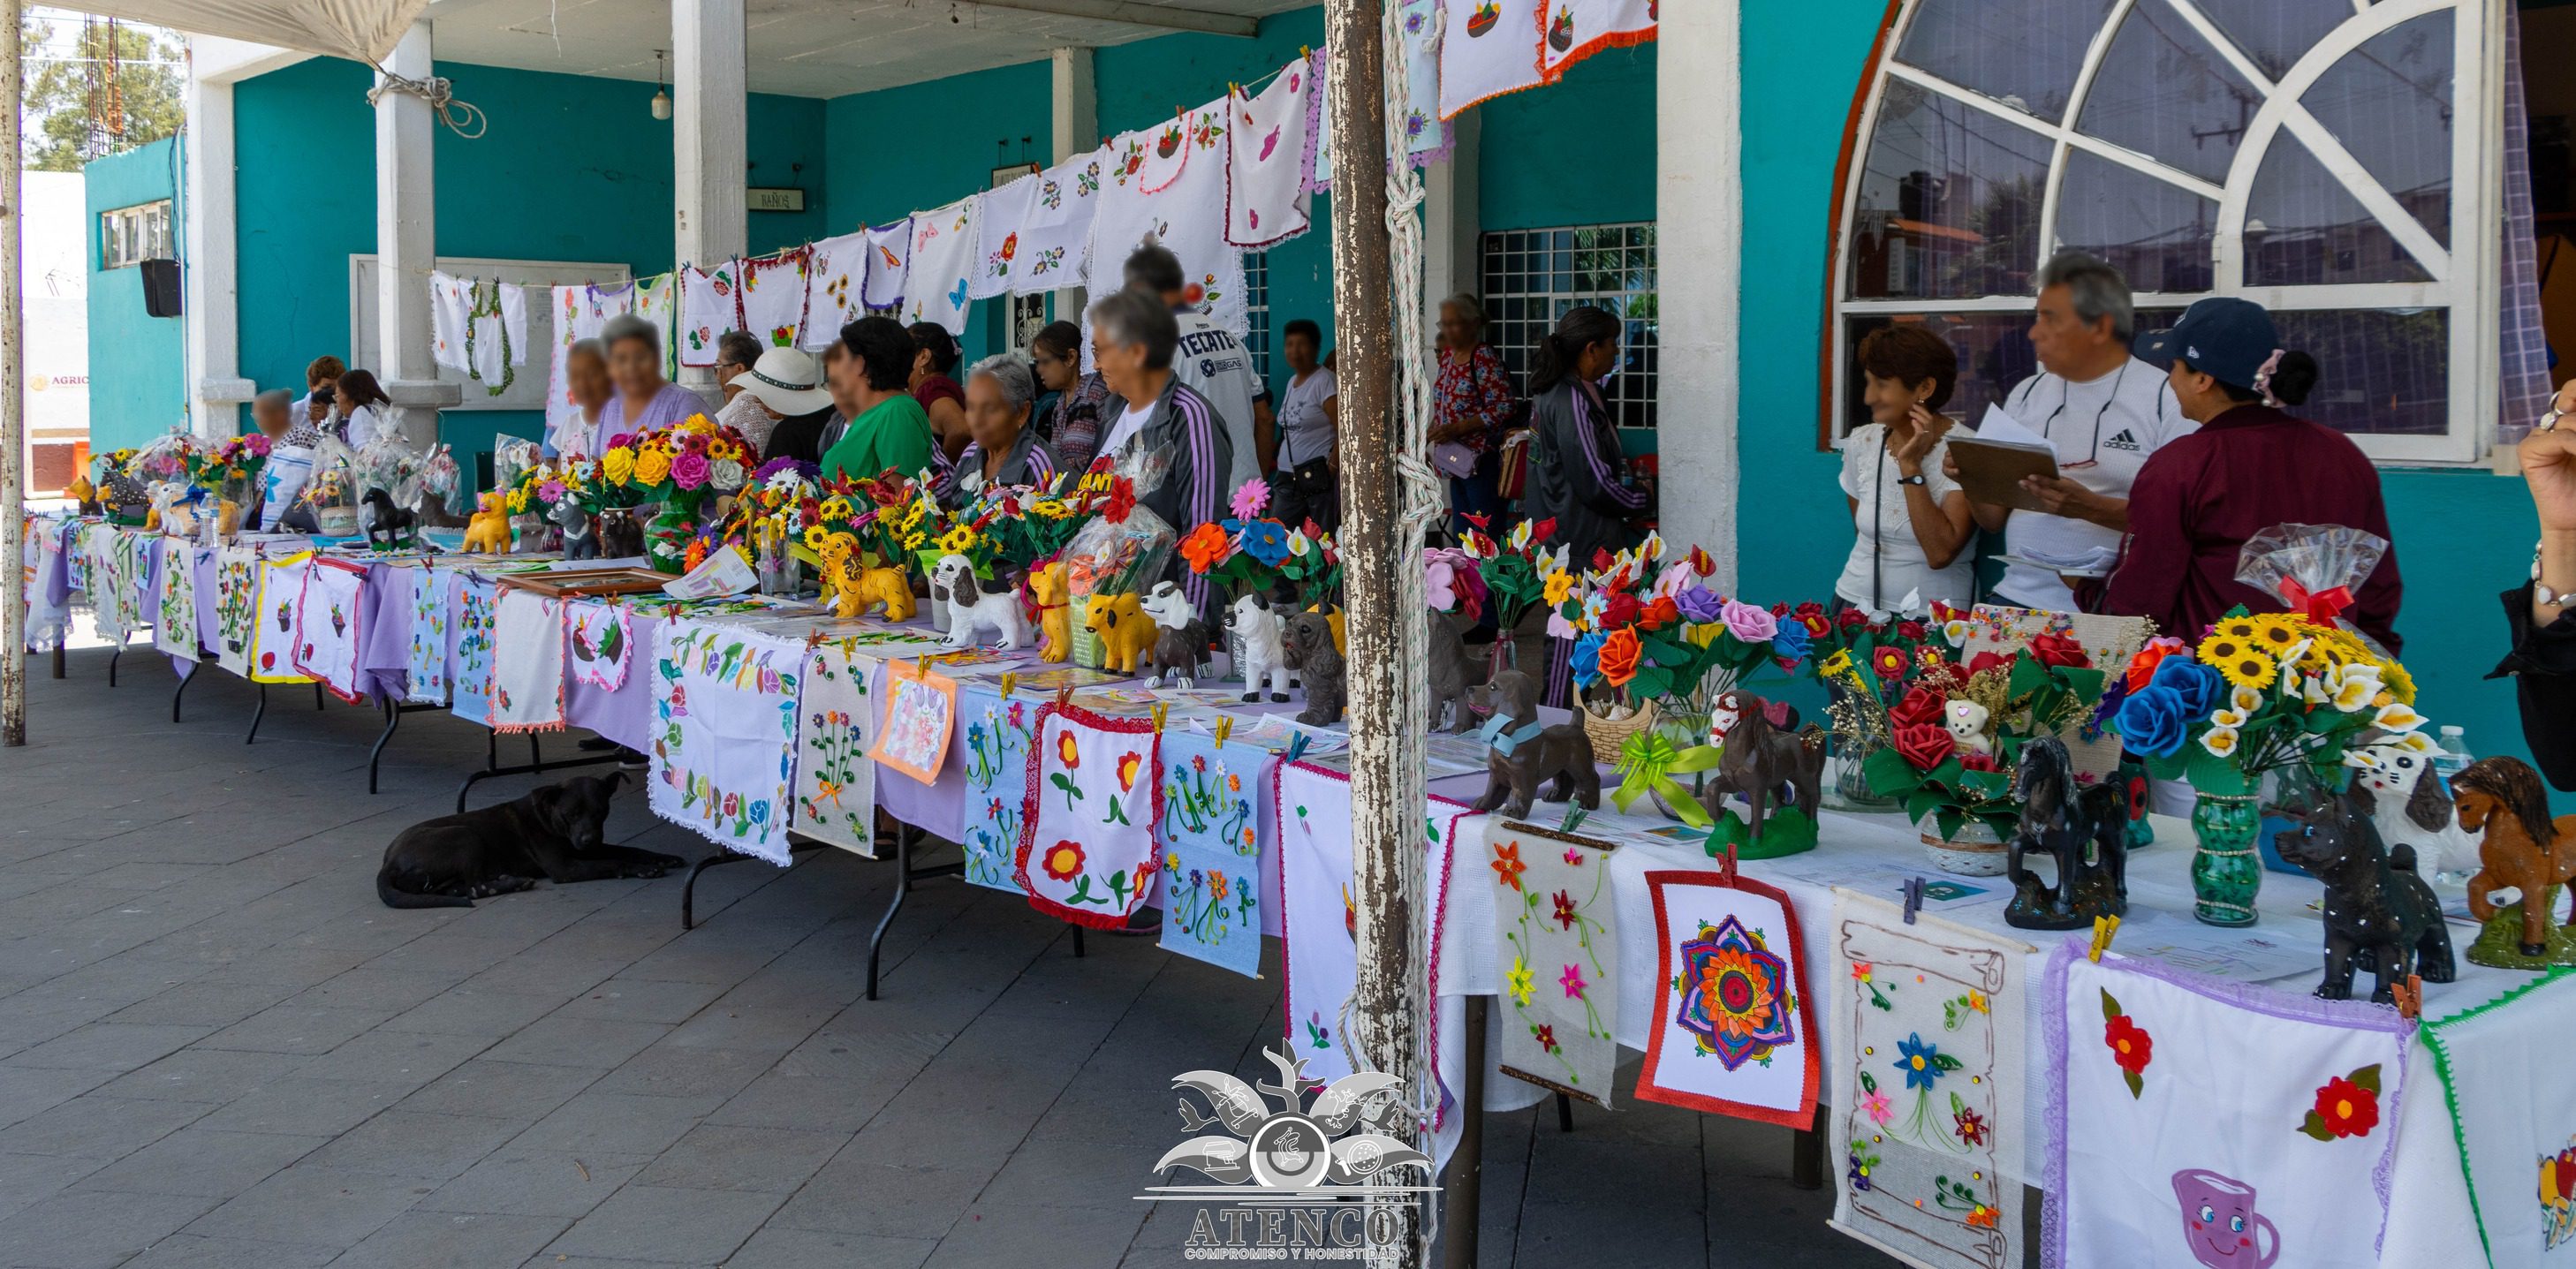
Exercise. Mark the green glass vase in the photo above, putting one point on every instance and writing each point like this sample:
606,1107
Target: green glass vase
2225,870
666,539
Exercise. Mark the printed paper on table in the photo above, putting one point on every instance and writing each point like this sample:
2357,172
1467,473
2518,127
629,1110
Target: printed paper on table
833,281
1733,1032
2513,1115
273,636
1087,850
725,734
836,781
1178,200
1927,1085
1266,199
937,281
528,663
998,733
2197,1121
469,657
773,297
710,305
1212,866
327,614
1558,947
1057,232
601,639
2108,641
920,710
176,631
425,661
1490,49
1577,29
889,258
1000,215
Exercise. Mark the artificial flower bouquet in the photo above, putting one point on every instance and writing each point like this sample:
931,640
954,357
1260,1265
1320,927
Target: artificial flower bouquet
228,470
1520,571
1031,525
1864,661
685,467
1958,731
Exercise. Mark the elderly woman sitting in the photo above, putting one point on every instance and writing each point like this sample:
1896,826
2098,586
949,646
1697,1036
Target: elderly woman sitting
1003,450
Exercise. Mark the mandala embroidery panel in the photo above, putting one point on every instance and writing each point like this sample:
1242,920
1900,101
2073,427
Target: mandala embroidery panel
1733,1032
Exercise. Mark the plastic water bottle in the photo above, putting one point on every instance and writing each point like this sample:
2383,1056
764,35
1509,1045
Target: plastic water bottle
2455,756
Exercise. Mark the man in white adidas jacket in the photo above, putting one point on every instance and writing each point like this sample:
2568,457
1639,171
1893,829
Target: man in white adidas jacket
2105,410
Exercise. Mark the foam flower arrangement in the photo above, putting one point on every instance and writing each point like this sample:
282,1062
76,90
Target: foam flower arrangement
1957,732
236,462
1519,571
686,465
1644,633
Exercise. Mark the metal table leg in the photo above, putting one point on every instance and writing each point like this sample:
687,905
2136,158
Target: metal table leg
184,680
535,764
58,658
257,712
320,702
112,659
689,888
1807,1154
1462,1194
905,875
394,711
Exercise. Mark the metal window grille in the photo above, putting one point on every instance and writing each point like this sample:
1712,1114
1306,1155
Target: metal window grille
1532,276
1256,295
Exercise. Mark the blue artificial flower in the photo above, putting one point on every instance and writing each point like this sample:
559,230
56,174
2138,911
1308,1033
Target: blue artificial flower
2197,685
1586,661
1791,643
2153,719
1921,1062
1266,541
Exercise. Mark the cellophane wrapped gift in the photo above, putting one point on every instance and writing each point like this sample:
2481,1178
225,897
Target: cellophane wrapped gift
1109,557
2315,569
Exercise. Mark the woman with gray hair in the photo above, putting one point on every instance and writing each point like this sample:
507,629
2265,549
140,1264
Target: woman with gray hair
644,399
1132,339
1471,405
1003,450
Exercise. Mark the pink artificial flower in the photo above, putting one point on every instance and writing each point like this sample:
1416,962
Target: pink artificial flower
689,470
1748,623
1250,499
551,491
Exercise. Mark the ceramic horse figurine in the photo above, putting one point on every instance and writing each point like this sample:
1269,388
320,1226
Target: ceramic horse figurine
2061,819
1760,760
2519,846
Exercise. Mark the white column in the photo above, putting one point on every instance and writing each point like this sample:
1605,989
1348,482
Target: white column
708,124
407,246
210,298
1699,213
1452,229
1075,115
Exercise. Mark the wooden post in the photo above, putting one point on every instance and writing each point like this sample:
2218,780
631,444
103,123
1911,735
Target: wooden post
13,408
1387,775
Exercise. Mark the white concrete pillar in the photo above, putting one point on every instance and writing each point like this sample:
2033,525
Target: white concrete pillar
1452,228
1074,113
709,123
210,280
1699,214
407,246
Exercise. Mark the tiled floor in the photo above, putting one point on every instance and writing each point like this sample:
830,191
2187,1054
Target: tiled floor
218,1048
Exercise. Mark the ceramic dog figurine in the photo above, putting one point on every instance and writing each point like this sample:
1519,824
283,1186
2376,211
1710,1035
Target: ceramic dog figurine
2411,807
2519,847
1523,754
1050,592
1310,648
1264,653
972,609
1125,631
489,531
1449,670
2379,915
388,526
580,538
2084,828
1180,638
620,537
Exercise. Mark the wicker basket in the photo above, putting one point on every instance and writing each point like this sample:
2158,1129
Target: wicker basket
1610,735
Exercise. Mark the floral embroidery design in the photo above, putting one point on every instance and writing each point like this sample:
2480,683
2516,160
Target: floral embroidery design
2347,1106
1557,928
1736,994
2131,1047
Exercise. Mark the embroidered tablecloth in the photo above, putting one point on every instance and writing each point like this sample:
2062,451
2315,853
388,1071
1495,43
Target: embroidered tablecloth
327,621
836,782
724,704
1267,200
1087,851
528,663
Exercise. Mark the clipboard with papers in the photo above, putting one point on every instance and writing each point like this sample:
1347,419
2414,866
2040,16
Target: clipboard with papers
1993,462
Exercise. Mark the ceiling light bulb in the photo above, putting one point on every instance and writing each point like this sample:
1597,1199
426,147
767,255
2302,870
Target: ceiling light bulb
661,104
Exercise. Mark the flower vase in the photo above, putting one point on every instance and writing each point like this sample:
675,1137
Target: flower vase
1976,850
666,540
1233,654
1847,759
2225,868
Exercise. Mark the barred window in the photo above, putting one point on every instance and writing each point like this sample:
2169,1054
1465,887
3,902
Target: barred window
1532,276
1256,299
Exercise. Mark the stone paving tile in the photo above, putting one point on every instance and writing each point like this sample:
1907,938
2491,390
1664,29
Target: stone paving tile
206,1162
93,1229
721,1157
777,1248
452,1240
100,1127
195,1251
465,1011
518,1181
395,1057
329,1207
501,1090
401,1143
298,1105
578,1042
686,1226
618,1122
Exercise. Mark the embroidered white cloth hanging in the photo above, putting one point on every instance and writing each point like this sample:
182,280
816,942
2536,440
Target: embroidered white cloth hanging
236,606
327,637
1490,49
936,284
1580,28
1087,849
1928,1089
1213,872
889,256
710,305
426,660
999,217
602,643
1556,940
469,659
46,615
998,736
2200,1122
579,312
1427,137
528,663
1186,214
449,307
773,297
1733,1032
113,586
724,734
1057,232
273,635
176,630
1266,199
657,301
496,335
833,281
836,781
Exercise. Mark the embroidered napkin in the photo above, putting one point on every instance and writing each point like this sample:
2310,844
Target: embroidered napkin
113,583
832,284
2513,1113
327,626
47,609
448,313
1490,49
1266,199
1087,849
273,636
997,782
1733,1033
469,648
1179,201
175,632
889,258
1928,1085
1057,230
236,606
1581,28
1212,865
1419,24
774,297
939,277
1559,950
710,305
920,710
725,729
425,660
579,312
528,663
836,782
602,643
657,301
2198,1121
999,216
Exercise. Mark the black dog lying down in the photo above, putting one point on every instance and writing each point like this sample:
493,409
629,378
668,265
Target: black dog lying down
553,833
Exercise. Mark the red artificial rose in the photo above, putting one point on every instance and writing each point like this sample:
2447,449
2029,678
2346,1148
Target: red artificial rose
1919,708
1619,655
1659,614
1543,530
1909,629
1923,745
1985,661
2131,1047
1849,618
1780,609
2142,667
2058,650
1808,609
1620,611
1978,762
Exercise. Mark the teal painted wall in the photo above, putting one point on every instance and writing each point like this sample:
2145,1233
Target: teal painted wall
137,387
1579,153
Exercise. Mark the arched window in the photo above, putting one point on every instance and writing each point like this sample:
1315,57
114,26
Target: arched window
2334,160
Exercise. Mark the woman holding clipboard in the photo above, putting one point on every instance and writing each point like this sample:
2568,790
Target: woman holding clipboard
1912,518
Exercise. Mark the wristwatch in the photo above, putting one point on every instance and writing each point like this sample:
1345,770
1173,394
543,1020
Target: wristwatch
1915,479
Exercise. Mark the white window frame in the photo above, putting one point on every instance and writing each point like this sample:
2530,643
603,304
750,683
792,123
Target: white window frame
2464,279
123,233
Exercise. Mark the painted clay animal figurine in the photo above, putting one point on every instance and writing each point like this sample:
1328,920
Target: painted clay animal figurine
388,526
1761,760
1967,723
1124,629
1310,648
84,493
489,531
973,609
1265,655
1180,638
855,589
2084,828
1051,593
2413,808
2379,915
1522,753
620,537
2520,847
1733,704
1448,673
580,537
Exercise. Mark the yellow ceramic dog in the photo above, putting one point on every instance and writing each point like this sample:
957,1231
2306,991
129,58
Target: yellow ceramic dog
489,530
1124,629
855,590
1055,617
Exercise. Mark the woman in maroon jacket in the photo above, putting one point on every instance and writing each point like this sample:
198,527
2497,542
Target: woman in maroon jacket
2248,468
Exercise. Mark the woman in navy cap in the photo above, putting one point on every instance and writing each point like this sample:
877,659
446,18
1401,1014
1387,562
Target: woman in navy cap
2249,467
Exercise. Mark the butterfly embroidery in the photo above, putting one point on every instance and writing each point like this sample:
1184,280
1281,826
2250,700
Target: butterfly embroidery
957,297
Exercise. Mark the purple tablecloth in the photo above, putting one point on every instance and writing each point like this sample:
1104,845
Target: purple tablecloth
625,715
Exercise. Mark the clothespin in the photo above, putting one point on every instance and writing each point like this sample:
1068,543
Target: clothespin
921,668
2103,928
1913,898
1010,679
1297,746
1573,819
1726,863
1064,697
1158,712
1306,51
1224,728
2410,997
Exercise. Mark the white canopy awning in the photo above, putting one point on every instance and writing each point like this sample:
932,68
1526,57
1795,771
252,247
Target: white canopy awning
361,30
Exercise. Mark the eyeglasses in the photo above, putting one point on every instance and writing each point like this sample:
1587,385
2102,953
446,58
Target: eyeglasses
2066,389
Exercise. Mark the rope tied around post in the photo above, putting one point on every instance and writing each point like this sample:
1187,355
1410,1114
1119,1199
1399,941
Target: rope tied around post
463,118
